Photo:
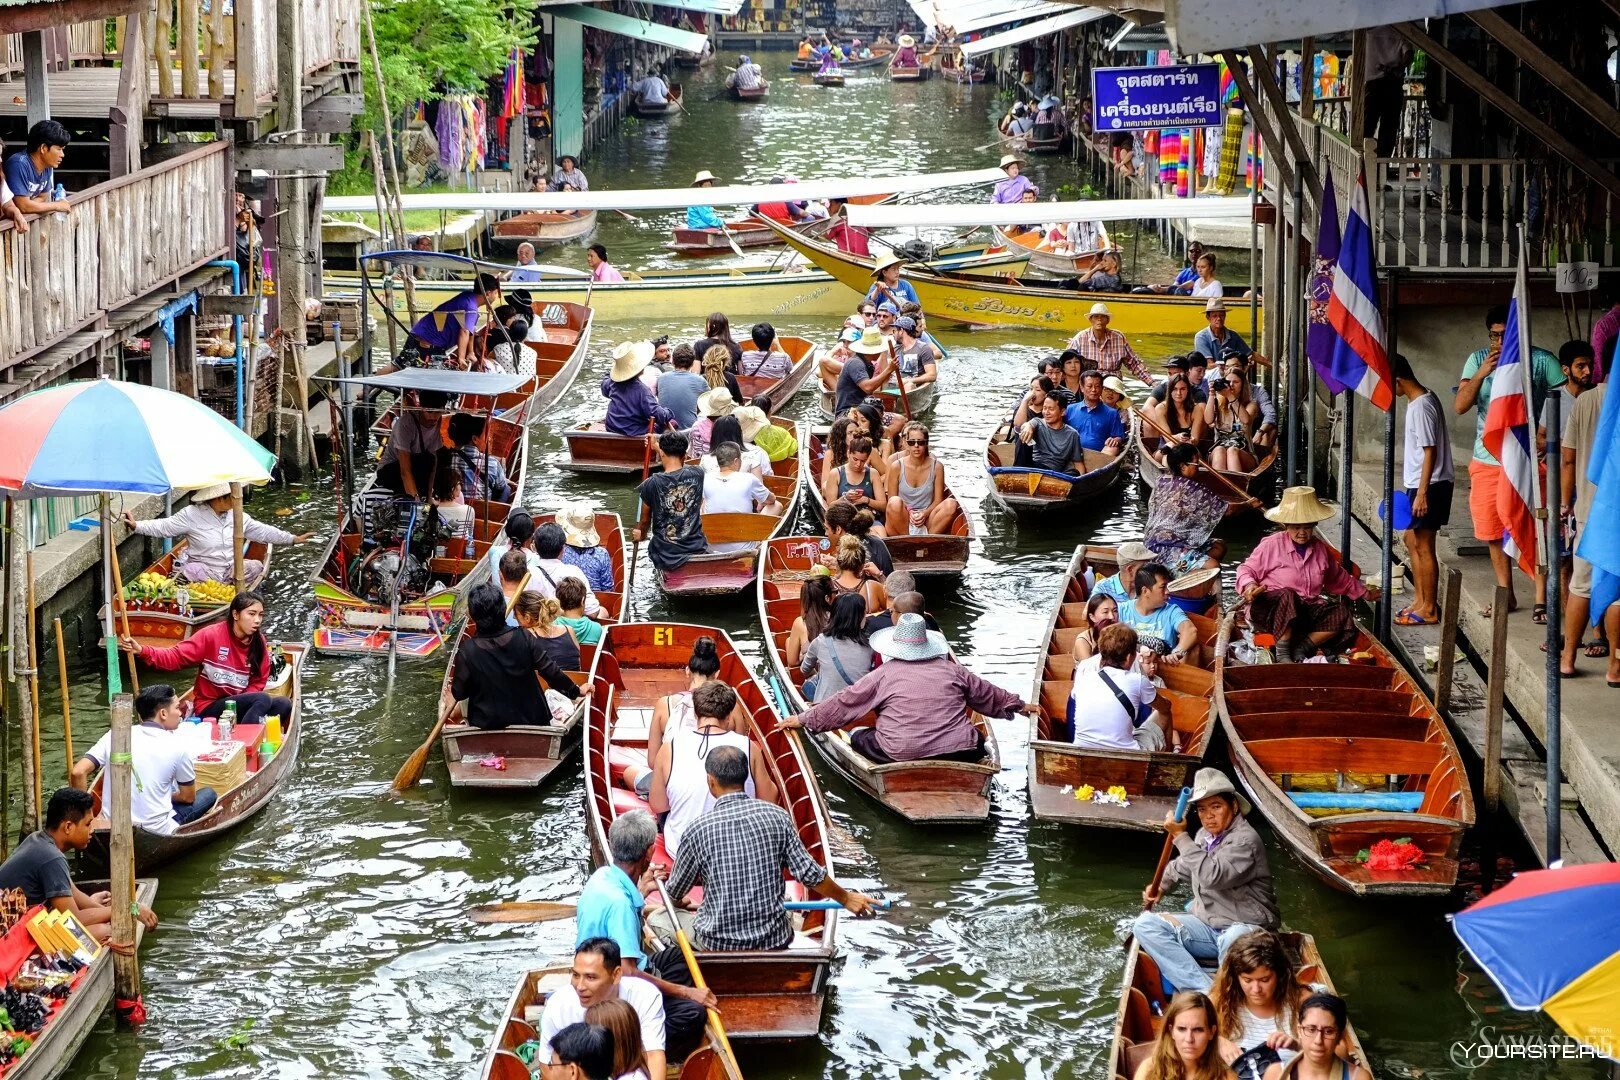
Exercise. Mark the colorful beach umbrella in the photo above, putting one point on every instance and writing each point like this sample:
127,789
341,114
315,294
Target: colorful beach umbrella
106,435
1550,939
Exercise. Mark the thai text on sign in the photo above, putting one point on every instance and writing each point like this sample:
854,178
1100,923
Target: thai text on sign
1180,95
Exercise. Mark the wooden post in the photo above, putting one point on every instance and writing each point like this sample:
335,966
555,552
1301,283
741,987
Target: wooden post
31,651
35,77
160,48
1307,79
1450,612
401,240
121,853
293,255
1495,700
1358,85
21,616
188,48
239,575
216,51
67,710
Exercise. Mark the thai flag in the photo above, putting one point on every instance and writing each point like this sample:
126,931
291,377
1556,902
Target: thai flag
1510,432
1358,359
1320,338
1600,532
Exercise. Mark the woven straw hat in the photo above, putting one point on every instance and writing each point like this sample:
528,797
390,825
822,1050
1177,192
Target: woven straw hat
630,358
1299,506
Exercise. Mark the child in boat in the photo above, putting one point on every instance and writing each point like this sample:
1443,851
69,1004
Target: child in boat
571,598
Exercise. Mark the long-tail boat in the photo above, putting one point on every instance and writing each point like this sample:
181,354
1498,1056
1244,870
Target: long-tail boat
921,792
593,450
161,623
726,573
1149,469
763,995
1033,492
1339,757
543,228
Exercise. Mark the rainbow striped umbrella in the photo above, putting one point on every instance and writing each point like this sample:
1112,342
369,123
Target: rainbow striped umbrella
1550,939
105,435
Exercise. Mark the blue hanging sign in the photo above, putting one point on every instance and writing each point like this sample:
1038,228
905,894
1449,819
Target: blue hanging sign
1179,95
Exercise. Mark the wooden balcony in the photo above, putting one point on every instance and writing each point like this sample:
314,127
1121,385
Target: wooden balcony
124,240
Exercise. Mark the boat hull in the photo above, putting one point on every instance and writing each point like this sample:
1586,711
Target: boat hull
1039,493
161,629
758,93
543,228
729,573
827,80
1049,263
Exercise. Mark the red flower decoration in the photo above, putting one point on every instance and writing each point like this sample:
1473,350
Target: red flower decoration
1393,855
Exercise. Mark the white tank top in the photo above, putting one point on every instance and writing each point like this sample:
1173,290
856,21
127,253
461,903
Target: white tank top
1256,1030
681,716
688,786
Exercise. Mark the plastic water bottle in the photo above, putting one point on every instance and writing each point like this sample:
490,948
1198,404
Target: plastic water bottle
227,722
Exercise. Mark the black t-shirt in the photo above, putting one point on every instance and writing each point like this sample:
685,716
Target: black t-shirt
1163,385
495,676
883,620
877,553
676,499
703,345
39,869
855,370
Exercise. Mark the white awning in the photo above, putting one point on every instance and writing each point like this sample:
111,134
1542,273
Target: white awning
962,215
706,7
1207,26
640,29
967,16
674,198
1030,31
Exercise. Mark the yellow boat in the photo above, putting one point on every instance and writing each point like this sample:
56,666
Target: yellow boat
981,301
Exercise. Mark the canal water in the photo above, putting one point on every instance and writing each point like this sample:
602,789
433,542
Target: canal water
330,932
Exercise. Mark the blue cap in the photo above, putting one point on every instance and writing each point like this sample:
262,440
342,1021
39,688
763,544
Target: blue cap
850,334
890,306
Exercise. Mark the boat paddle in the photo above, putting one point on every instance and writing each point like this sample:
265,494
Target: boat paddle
635,545
539,911
899,380
410,772
716,1025
1169,846
1242,495
730,239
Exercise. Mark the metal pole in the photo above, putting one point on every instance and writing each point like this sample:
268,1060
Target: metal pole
1553,538
1292,293
1386,606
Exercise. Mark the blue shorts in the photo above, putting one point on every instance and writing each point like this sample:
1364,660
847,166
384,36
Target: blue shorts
1439,506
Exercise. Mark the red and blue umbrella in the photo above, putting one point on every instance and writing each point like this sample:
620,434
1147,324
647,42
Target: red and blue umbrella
1550,939
105,435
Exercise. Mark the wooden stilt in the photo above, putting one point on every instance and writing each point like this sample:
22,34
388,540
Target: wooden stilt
121,854
240,575
67,709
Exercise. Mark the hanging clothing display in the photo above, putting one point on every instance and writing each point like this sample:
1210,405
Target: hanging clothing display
460,130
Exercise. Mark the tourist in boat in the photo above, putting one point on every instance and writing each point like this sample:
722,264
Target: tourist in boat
1183,284
527,270
1114,705
516,535
1016,185
453,519
784,211
680,387
1232,417
758,433
1050,111
672,507
1015,124
235,659
509,352
38,866
443,337
922,699
602,271
855,481
869,419
731,490
209,536
571,593
622,1023
482,477
728,429
1102,611
651,90
843,518
718,372
1323,1024
1106,349
1177,414
1265,436
1132,556
1103,275
494,682
1257,1002
538,615
673,712
1205,284
548,568
598,975
1297,588
1113,394
1049,443
583,548
680,789
1224,862
918,357
704,217
739,851
1215,340
815,608
807,48
1161,625
766,360
166,795
746,76
1100,427
568,177
632,409
859,376
713,404
1030,405
920,503
1066,381
854,572
888,285
610,906
1185,1048
840,654
717,331
512,574
1192,367
829,61
903,599
1182,515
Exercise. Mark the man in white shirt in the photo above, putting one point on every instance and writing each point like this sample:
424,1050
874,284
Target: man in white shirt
596,977
546,568
164,795
1114,705
651,90
1428,474
733,490
527,270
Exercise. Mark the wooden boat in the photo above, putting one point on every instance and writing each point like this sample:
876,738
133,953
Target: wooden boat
501,1062
748,232
909,74
529,754
236,806
921,399
803,353
1041,493
1045,142
1142,1002
828,78
69,1025
1149,469
757,93
924,555
877,59
980,301
921,792
763,995
1058,768
717,573
693,61
647,110
161,623
1050,263
1301,730
593,450
543,228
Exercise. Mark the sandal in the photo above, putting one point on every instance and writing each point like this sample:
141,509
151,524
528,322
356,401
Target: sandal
1538,614
1412,618
1597,649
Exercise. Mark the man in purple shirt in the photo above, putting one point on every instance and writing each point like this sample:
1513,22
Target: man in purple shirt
444,336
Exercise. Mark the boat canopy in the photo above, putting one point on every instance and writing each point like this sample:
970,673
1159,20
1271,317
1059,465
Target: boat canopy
647,30
445,380
961,215
1030,31
674,198
444,261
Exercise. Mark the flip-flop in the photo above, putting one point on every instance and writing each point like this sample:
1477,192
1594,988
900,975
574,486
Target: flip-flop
1538,614
1597,649
1412,618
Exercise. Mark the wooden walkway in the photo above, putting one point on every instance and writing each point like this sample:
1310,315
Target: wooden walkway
88,93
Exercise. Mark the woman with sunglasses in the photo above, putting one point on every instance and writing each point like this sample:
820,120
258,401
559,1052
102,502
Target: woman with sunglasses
920,504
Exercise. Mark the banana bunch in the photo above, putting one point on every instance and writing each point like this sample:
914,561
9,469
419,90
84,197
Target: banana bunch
208,593
150,587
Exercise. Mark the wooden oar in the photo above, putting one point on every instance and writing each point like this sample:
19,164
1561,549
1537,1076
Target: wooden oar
123,612
730,239
1169,846
900,380
1169,439
538,911
410,772
717,1025
635,545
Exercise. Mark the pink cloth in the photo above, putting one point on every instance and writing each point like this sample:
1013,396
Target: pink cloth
1604,333
1276,564
605,272
921,707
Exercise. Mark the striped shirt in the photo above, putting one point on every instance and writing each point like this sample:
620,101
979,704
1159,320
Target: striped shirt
1109,354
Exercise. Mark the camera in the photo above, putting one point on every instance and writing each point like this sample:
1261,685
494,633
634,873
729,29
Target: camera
1216,386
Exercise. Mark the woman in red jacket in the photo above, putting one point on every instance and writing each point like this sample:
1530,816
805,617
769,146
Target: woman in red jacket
234,663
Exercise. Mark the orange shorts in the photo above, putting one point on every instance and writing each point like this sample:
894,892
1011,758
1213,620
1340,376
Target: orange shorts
1483,482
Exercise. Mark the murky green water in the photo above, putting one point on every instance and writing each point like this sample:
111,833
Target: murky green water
334,922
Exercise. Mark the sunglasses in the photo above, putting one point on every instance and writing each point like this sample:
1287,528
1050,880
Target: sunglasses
916,442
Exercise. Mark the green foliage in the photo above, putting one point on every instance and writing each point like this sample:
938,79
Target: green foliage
432,47
240,1039
1074,193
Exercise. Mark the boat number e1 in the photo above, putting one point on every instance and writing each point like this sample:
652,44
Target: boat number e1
663,635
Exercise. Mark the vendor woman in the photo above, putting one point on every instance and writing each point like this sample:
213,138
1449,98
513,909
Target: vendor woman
1296,587
206,526
235,664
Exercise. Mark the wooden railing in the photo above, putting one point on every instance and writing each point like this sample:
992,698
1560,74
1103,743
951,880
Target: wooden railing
122,239
245,42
